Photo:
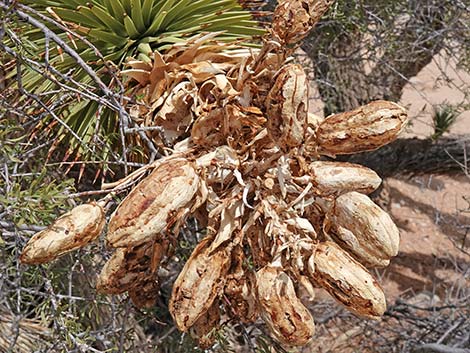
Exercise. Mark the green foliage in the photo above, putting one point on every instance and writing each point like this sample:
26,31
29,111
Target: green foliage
444,117
116,30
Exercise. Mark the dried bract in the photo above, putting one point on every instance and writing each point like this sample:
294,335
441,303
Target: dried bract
73,230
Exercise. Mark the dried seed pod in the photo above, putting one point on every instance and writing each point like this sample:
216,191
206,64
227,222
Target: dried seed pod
286,106
145,293
130,266
293,19
363,129
347,280
149,207
330,178
287,318
240,290
361,227
198,284
69,232
203,330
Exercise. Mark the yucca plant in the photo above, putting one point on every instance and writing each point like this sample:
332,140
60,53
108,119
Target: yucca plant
118,29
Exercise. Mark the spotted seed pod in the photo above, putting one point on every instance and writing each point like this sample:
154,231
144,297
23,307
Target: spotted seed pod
363,129
362,228
334,178
286,106
293,19
287,318
73,230
198,284
150,206
346,280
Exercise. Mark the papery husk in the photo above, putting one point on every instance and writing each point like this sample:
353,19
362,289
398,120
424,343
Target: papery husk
363,129
347,280
336,178
199,283
287,318
362,228
204,329
130,267
174,116
149,207
293,19
219,164
286,106
73,230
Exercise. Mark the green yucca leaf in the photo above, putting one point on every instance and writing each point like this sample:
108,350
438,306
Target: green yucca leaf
118,29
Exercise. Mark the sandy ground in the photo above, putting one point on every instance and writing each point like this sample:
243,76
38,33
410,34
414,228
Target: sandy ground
433,211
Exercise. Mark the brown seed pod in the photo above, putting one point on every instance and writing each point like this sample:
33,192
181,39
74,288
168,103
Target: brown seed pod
146,211
198,284
363,129
362,228
293,19
288,319
334,178
145,293
203,330
240,290
286,106
347,280
73,230
128,267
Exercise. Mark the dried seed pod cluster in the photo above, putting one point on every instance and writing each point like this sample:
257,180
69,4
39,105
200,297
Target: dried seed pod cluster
250,164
